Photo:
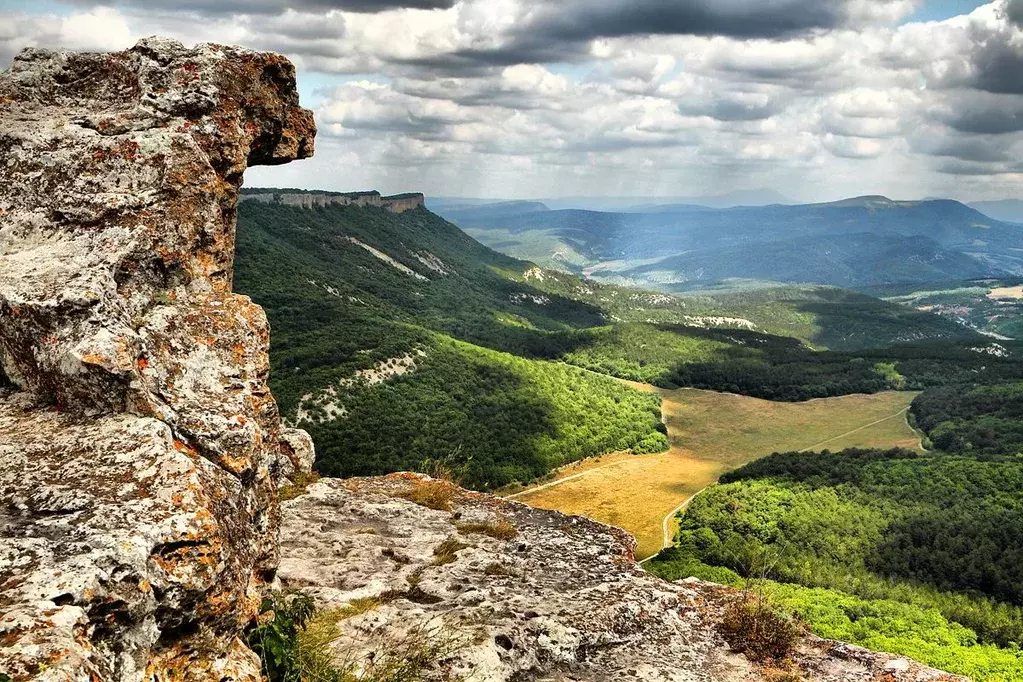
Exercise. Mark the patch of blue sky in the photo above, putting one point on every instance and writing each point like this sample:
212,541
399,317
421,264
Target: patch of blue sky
35,6
937,10
315,86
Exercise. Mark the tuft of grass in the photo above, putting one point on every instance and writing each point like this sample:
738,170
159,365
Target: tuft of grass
754,627
297,486
358,607
447,551
297,643
434,494
502,529
782,675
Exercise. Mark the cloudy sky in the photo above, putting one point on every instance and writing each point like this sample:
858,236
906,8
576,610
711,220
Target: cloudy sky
817,99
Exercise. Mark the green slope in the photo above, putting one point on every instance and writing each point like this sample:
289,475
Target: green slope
342,315
367,306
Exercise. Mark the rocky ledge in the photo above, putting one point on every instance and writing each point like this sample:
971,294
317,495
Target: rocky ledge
140,448
502,591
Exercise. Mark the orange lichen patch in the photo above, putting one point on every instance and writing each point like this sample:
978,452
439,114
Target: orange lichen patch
185,448
235,465
94,359
142,363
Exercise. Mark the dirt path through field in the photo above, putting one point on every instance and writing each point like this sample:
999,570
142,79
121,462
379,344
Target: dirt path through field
709,434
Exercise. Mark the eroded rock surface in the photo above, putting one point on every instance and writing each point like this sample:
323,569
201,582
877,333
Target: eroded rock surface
140,446
559,598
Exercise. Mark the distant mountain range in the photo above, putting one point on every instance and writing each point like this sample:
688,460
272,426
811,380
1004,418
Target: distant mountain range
756,197
857,242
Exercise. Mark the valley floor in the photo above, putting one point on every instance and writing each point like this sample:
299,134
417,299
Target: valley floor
711,433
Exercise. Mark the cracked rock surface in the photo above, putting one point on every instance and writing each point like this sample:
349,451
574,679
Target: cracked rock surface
140,446
559,598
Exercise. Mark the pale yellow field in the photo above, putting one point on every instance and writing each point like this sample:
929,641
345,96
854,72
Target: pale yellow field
711,433
1006,292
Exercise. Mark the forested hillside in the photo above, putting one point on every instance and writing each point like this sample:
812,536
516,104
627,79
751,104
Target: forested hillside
364,304
917,553
368,308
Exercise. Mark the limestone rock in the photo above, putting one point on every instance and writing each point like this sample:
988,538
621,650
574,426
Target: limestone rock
562,599
139,461
120,180
299,452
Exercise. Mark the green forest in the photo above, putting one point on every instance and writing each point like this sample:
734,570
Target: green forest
981,421
487,416
491,418
348,289
911,544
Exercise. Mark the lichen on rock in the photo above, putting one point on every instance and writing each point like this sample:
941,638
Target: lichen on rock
140,446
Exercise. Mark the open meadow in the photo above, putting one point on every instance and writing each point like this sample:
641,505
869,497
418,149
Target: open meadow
711,433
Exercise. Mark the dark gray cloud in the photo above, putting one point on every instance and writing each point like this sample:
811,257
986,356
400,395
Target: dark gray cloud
970,149
562,31
990,119
999,67
275,6
581,21
1015,12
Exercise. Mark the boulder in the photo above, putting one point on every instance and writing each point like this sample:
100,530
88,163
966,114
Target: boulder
140,447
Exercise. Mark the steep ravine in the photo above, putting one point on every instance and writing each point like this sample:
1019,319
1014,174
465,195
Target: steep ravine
141,450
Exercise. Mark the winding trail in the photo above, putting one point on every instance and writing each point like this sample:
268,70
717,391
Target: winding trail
904,410
566,479
677,438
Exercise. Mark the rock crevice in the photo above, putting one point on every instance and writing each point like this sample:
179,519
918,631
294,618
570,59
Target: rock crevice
140,446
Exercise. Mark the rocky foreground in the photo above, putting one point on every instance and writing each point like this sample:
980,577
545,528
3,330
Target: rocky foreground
140,448
516,593
141,451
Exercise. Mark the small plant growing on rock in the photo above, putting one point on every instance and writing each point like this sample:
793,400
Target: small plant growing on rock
754,627
435,494
297,643
297,486
283,615
502,529
447,551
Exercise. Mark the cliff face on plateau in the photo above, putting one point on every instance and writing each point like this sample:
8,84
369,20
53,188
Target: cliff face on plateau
398,203
141,450
139,444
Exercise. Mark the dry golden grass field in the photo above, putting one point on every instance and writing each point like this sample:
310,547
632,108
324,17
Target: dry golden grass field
711,433
1007,293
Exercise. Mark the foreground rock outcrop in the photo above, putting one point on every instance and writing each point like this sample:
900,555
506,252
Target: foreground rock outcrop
500,591
140,447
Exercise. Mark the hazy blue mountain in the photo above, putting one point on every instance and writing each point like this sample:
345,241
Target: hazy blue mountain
850,261
859,241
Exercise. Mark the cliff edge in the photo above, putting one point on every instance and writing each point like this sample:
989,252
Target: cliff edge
139,444
497,591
